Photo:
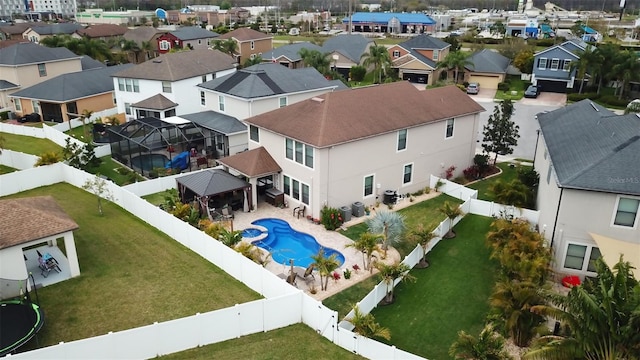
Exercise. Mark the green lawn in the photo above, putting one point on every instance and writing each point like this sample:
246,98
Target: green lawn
425,212
343,301
29,144
508,174
6,169
131,275
516,84
450,295
292,342
78,133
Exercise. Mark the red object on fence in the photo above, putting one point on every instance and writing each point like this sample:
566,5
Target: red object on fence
571,281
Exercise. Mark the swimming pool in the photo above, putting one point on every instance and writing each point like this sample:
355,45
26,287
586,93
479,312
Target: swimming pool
147,162
285,243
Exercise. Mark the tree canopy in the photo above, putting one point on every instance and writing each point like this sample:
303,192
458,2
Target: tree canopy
501,134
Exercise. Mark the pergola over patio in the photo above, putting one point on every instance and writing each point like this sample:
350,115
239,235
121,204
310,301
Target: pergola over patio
215,188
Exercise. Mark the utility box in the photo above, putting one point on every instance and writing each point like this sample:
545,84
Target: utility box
358,209
346,213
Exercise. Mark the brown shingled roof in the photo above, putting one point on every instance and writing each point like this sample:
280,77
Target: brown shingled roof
244,34
253,163
180,65
156,102
27,219
346,116
103,30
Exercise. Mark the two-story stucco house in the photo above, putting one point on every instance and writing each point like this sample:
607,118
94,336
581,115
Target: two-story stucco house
263,87
190,37
25,64
417,59
166,86
251,43
351,146
37,33
552,70
589,192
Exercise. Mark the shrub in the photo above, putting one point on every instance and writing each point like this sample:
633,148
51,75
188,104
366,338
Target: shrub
528,176
331,218
578,97
357,73
4,115
347,274
614,101
481,161
503,86
48,158
471,173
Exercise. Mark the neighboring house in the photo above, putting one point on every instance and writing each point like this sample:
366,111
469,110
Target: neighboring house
289,55
25,64
333,155
227,135
14,31
173,76
233,16
142,35
177,17
590,34
190,37
101,32
100,16
417,59
552,66
346,51
263,87
589,192
251,43
37,33
66,96
388,22
488,68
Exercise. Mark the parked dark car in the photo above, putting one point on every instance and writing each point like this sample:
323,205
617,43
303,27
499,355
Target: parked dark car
33,117
532,92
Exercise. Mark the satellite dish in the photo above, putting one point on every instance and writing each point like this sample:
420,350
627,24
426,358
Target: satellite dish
161,14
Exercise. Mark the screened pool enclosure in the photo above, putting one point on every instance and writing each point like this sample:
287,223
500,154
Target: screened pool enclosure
151,145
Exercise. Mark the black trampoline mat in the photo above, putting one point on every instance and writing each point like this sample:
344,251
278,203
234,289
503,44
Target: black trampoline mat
18,323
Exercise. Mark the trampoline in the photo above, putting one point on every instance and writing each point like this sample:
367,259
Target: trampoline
19,322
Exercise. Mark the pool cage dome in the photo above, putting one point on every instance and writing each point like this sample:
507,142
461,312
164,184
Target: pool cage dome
149,144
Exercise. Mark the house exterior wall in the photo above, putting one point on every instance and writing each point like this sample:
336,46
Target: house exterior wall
173,41
547,72
237,143
259,47
396,48
94,103
198,43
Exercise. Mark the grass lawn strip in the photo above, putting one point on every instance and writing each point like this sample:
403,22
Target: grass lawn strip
6,169
292,342
29,144
131,275
451,295
508,174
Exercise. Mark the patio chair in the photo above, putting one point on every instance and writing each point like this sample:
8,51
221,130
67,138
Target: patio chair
300,210
227,213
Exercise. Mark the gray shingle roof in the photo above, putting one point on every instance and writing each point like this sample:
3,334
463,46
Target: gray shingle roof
193,32
54,29
211,182
142,33
155,102
30,53
291,51
180,65
4,85
90,63
592,148
350,45
72,86
424,41
221,123
423,58
488,61
267,79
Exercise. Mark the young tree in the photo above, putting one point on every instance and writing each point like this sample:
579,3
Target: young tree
366,325
524,61
489,345
325,266
422,236
99,187
86,115
367,243
500,135
48,158
513,193
389,275
451,211
378,56
230,238
390,226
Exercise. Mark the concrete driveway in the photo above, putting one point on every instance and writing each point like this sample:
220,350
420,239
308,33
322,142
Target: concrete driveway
485,95
546,99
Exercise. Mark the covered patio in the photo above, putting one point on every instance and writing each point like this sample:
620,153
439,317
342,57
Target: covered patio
214,189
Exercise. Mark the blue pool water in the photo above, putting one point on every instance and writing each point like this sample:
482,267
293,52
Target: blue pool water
285,243
251,232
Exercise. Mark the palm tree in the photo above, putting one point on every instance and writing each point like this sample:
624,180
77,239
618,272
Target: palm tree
228,46
325,266
626,69
456,60
513,193
230,238
602,318
366,243
253,253
514,300
366,325
378,56
488,346
131,48
607,54
316,59
423,237
148,50
392,272
254,61
390,226
584,64
451,211
86,115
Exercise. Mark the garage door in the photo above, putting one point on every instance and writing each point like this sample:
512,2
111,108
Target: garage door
486,82
416,78
552,86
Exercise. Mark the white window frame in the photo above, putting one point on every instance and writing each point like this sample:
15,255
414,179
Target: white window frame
305,157
404,168
436,54
121,84
615,212
254,130
396,53
566,65
364,186
203,98
166,87
221,103
253,45
542,63
42,69
17,104
164,45
555,64
446,128
136,85
283,101
585,260
204,78
406,140
36,106
128,83
127,108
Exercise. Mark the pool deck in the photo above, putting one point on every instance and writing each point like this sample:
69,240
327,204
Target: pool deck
332,239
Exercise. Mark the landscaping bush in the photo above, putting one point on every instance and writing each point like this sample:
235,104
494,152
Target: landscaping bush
4,115
357,73
613,101
331,218
481,162
471,173
575,97
504,86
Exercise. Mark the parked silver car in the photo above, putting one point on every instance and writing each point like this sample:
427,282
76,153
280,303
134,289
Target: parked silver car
473,89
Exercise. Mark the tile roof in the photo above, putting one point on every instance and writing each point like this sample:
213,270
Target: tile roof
252,163
73,86
211,182
488,61
592,148
27,219
193,32
140,34
56,29
180,65
216,121
103,30
424,42
155,102
267,79
353,46
244,34
331,119
291,51
30,53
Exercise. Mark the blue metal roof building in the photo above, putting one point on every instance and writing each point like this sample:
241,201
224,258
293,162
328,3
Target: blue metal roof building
390,22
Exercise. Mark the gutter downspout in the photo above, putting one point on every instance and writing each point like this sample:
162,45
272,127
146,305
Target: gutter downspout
535,151
555,223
